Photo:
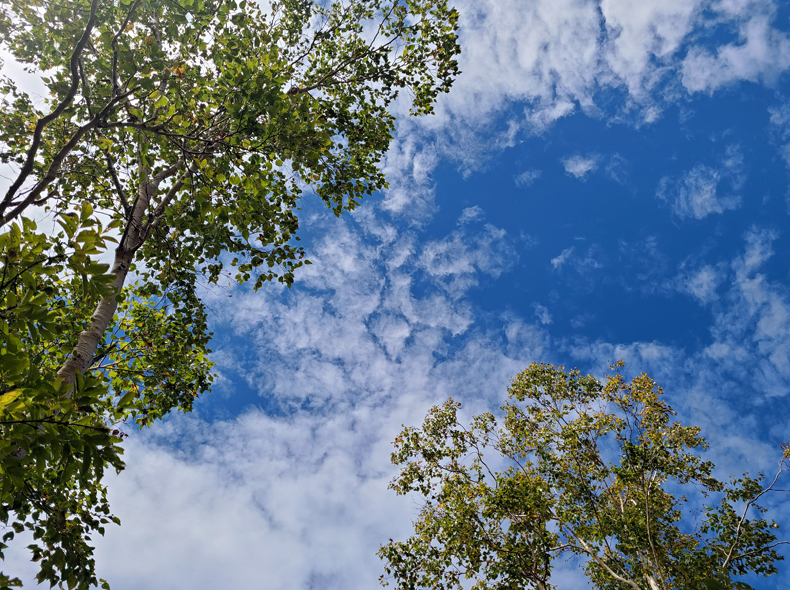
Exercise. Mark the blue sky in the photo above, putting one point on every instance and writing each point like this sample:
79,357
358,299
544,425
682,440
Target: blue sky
608,179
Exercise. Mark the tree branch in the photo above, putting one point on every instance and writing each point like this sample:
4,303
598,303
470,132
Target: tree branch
115,86
118,187
586,549
54,167
27,168
749,504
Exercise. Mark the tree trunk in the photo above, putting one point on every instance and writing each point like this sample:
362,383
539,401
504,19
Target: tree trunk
82,356
134,235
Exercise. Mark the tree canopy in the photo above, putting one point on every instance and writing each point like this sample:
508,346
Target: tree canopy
575,468
177,139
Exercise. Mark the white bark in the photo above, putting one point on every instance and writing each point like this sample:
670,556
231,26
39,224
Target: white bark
134,235
82,356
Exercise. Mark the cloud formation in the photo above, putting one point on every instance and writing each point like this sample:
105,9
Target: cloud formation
527,178
761,55
697,193
456,261
298,499
580,166
524,67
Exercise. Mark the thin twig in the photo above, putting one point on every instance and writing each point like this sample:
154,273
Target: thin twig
27,168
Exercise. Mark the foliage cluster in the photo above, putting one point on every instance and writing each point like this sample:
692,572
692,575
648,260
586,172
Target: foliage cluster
598,471
175,143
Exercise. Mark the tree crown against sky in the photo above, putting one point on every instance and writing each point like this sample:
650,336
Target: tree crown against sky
576,467
178,139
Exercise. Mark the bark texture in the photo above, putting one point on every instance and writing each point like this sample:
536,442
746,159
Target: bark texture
82,356
134,235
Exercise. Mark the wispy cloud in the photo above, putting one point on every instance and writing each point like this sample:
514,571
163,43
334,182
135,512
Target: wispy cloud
560,260
552,58
455,262
408,166
580,166
298,498
471,214
762,54
542,313
381,326
354,351
697,193
527,178
702,283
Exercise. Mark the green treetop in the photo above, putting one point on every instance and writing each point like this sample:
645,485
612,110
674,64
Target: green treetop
599,471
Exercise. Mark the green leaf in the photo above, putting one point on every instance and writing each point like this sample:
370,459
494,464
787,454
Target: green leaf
9,397
126,400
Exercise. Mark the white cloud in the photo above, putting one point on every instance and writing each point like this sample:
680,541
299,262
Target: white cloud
454,262
580,271
408,167
527,178
697,193
617,169
471,214
352,352
694,195
702,284
642,39
545,53
542,313
580,166
652,357
752,332
300,500
780,119
287,503
551,58
558,261
780,123
762,55
744,365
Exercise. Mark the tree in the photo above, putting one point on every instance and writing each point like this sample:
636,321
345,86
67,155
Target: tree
595,470
178,137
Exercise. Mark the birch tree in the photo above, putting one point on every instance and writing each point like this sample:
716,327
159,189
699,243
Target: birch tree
596,471
178,136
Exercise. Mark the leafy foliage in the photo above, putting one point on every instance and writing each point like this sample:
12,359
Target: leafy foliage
596,470
177,140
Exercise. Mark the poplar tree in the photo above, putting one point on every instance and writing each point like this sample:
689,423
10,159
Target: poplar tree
176,139
576,469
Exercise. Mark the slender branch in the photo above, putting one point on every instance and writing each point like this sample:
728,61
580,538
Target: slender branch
561,547
4,284
115,86
139,126
760,550
41,421
749,504
86,87
170,195
54,167
586,549
117,183
27,168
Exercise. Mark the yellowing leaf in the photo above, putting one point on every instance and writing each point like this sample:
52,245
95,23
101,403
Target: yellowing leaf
9,397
